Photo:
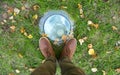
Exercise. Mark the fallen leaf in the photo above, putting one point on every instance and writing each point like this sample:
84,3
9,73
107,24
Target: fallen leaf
114,28
90,22
85,38
4,21
11,17
30,36
117,70
94,69
64,38
96,26
81,11
17,71
31,69
81,41
43,61
91,52
11,74
104,73
90,46
16,11
10,10
25,33
44,35
82,16
56,41
20,55
36,7
64,7
12,28
79,6
35,17
23,8
22,30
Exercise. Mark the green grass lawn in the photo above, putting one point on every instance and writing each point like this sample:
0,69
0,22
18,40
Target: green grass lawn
18,52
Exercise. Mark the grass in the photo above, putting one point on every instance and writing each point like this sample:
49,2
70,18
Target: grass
103,39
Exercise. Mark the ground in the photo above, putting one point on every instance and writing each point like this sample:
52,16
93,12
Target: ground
19,34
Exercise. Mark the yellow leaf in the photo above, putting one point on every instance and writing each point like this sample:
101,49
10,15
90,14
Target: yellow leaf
91,52
64,7
22,30
114,28
79,6
56,41
35,17
96,26
20,55
30,36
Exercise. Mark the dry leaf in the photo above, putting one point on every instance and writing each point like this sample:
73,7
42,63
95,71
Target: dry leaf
91,52
44,35
90,22
64,38
81,11
79,6
81,41
36,7
10,10
30,36
35,17
94,69
90,46
22,30
31,69
16,10
4,21
114,28
25,34
104,73
56,41
117,70
17,71
64,7
23,8
43,61
12,28
82,15
20,55
11,74
11,17
85,38
96,26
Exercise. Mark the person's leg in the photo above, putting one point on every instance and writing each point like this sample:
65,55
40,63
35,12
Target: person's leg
67,67
49,66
